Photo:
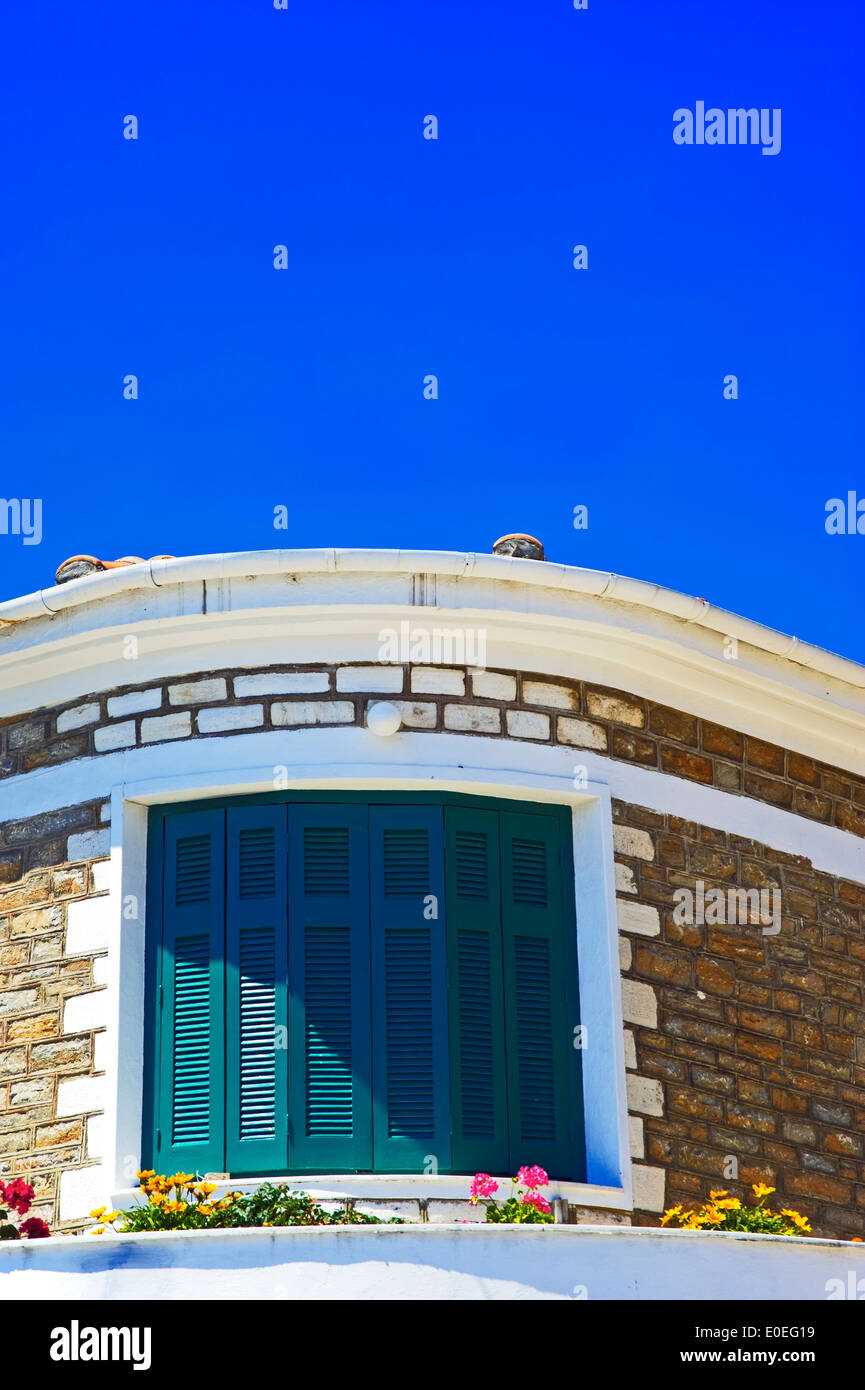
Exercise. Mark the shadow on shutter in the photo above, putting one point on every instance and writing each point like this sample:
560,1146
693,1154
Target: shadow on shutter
410,1028
190,1101
329,1023
475,998
539,1038
256,910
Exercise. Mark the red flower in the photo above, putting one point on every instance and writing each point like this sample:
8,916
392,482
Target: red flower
34,1227
17,1194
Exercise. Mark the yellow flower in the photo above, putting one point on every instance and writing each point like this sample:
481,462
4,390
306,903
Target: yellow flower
668,1215
796,1217
715,1195
146,1173
97,1212
157,1199
206,1209
761,1190
730,1204
113,1215
205,1188
98,1231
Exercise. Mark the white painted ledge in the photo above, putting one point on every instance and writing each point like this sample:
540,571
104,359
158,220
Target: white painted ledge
446,1262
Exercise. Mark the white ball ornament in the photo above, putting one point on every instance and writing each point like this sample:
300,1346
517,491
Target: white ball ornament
383,718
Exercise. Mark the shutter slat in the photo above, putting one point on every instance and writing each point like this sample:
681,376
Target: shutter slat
330,1101
477,1038
190,1065
540,971
409,1011
256,994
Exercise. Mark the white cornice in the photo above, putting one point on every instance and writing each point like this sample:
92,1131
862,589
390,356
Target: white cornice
263,607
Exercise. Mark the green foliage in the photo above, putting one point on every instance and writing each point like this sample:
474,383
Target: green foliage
514,1210
183,1203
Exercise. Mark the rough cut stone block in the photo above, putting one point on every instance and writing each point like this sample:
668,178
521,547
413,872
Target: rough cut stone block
81,1094
164,726
288,712
491,685
635,1135
625,953
77,718
96,1135
476,719
84,1011
630,1050
648,1188
523,723
645,1096
114,736
640,918
102,876
542,693
282,683
615,708
198,692
437,680
637,844
380,680
625,882
136,702
580,734
89,844
88,925
82,1189
213,721
639,1004
417,715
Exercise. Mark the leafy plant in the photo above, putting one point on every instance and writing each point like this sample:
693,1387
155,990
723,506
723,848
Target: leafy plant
17,1195
183,1203
525,1203
725,1213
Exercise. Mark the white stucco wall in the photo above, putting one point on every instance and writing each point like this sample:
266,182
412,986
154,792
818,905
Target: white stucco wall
435,1262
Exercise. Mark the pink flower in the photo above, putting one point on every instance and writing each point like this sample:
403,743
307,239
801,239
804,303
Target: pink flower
34,1227
534,1199
17,1195
532,1177
483,1186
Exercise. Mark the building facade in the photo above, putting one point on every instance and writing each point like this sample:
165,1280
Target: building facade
377,869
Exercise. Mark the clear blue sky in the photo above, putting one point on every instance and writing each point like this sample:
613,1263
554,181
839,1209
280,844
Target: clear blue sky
410,256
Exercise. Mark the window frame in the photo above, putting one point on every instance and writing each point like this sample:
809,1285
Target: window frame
561,814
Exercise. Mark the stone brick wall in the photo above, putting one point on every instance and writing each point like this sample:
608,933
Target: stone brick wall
738,1044
546,710
50,1053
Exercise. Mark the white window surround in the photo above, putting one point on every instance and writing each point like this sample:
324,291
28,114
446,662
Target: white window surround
354,760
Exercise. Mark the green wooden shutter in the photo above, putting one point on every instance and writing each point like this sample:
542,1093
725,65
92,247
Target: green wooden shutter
190,1114
256,926
476,1000
537,1022
411,1120
330,1120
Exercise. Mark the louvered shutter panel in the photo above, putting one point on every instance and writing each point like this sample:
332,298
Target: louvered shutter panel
191,1075
475,994
330,1121
537,1024
256,925
411,1119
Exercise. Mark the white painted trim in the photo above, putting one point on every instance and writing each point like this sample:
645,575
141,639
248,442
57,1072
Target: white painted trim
175,779
224,568
209,612
349,752
443,1261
